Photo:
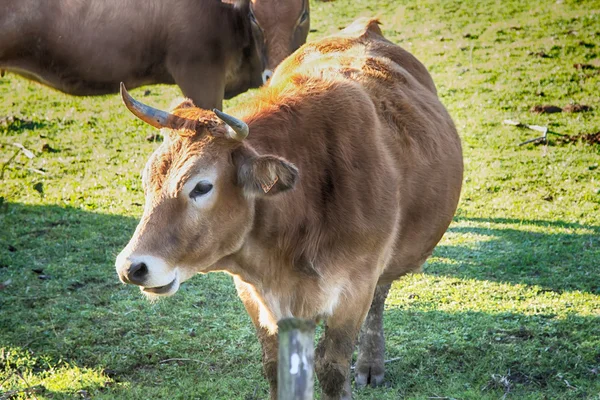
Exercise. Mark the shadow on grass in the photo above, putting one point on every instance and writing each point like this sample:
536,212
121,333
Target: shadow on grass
487,355
13,125
38,236
565,258
62,305
56,267
79,312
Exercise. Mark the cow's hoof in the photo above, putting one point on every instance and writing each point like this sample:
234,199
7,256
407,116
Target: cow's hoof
369,375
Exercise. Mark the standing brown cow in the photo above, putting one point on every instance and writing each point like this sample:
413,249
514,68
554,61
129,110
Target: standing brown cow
337,179
211,49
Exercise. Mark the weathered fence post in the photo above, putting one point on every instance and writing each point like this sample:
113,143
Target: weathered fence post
296,359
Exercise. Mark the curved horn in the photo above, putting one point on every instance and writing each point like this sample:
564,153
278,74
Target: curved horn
152,116
237,128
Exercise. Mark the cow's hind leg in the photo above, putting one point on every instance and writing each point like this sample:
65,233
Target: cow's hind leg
369,369
268,341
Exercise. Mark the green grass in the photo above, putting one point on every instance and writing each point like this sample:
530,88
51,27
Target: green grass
508,306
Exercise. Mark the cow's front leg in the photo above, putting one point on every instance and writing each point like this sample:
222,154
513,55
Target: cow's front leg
268,341
371,343
333,355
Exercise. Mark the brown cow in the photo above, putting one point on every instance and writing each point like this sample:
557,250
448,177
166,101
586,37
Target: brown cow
211,49
337,179
283,26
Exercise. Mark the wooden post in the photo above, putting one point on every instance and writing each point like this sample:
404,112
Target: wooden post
296,359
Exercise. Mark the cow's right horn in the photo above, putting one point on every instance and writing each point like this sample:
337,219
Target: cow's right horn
238,129
150,115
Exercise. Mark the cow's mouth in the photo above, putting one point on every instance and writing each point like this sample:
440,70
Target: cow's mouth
163,290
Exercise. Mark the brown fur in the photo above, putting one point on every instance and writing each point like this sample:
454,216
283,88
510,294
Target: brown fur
210,49
286,24
371,168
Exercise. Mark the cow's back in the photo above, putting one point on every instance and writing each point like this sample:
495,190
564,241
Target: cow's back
417,130
89,47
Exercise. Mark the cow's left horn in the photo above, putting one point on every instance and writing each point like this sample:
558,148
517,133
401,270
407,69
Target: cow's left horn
153,116
238,129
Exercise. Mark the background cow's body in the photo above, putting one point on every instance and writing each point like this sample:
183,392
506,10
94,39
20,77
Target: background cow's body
380,171
85,47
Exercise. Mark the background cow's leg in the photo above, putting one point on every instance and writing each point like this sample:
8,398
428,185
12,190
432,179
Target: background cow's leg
204,86
268,342
333,354
369,368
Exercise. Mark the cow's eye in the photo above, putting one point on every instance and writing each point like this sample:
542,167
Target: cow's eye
252,17
304,17
201,189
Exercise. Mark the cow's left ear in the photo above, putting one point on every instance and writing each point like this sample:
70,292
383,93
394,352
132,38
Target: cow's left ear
264,175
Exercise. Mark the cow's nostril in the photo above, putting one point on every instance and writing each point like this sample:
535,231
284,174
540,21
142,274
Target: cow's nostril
137,273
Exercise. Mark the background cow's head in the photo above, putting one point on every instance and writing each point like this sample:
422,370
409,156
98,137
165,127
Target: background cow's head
245,71
281,27
200,187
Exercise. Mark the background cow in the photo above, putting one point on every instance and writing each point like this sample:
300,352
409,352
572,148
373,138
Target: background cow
283,27
339,178
211,49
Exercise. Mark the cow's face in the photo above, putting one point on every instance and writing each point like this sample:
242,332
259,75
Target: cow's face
281,27
200,187
244,69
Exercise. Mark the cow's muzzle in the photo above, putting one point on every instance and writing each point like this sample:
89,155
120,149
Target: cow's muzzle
152,274
163,290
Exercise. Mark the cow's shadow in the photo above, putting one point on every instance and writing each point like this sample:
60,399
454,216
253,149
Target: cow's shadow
437,353
557,256
61,259
532,349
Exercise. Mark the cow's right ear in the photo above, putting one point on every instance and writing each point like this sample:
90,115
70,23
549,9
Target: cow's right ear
181,103
263,175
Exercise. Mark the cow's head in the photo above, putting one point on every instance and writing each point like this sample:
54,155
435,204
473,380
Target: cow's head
281,26
200,186
245,70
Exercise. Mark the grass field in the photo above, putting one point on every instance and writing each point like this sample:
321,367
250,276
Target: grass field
507,308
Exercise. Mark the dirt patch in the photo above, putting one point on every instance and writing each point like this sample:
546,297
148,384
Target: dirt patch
583,66
539,54
586,44
545,109
588,138
575,108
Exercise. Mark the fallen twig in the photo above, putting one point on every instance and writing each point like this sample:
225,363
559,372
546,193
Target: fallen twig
180,359
7,378
29,389
544,129
3,285
569,385
441,398
392,360
6,164
37,171
27,153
